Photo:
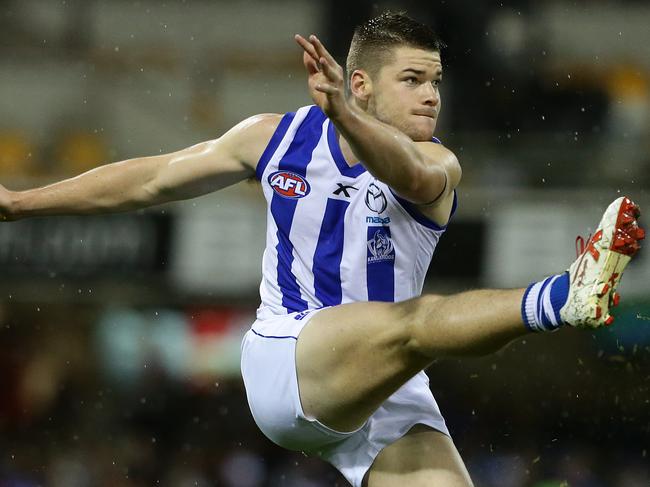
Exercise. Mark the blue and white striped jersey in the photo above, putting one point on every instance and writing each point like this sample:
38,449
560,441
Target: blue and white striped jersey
335,234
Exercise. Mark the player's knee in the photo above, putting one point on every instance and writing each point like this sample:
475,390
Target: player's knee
441,478
415,317
423,478
457,480
445,479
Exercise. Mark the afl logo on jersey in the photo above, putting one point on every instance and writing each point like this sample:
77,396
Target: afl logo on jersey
289,184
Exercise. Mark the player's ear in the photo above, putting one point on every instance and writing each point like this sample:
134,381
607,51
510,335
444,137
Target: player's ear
360,85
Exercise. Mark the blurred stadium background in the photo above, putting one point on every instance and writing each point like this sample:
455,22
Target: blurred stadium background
119,338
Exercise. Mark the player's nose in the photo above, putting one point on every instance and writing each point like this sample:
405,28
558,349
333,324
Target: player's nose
430,94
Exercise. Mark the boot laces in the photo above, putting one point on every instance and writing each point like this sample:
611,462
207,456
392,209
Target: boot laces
581,244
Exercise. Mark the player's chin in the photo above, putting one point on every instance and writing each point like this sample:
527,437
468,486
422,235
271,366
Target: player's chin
422,132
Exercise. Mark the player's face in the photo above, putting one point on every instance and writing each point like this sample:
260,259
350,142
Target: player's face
406,92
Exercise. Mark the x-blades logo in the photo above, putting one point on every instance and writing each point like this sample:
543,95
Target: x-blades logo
344,189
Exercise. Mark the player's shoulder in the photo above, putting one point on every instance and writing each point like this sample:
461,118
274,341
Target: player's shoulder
262,125
437,153
435,148
247,140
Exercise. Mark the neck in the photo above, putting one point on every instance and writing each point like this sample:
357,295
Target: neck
358,103
349,156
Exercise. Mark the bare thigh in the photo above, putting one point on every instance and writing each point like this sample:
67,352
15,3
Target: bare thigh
422,457
351,358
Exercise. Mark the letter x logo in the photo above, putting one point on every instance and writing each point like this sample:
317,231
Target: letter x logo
344,189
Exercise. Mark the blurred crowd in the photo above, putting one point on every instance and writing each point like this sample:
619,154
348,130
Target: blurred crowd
179,437
176,436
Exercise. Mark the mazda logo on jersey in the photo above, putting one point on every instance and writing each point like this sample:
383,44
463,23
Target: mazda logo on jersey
375,198
289,184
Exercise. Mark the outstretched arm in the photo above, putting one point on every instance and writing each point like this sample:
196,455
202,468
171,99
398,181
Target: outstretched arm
420,172
147,181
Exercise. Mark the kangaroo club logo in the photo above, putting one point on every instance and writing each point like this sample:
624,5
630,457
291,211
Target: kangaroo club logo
289,184
375,199
380,245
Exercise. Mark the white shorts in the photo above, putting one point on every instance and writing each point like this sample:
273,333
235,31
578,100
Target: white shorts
269,372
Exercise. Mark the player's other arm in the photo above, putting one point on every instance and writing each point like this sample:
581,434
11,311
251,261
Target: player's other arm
147,181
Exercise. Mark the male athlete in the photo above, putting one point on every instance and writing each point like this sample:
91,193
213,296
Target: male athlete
358,192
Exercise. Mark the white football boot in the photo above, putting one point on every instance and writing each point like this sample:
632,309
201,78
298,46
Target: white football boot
594,276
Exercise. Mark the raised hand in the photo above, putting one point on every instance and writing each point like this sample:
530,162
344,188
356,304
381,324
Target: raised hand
325,77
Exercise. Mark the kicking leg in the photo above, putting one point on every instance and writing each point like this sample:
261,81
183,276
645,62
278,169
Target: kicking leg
350,358
421,458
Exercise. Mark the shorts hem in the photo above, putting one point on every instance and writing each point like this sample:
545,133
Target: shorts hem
341,435
373,453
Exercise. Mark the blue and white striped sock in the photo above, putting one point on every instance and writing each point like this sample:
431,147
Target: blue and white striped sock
540,307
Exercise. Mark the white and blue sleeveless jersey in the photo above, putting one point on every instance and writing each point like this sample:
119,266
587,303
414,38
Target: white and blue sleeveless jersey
335,234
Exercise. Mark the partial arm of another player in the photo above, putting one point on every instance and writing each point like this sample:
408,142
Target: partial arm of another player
420,172
147,181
